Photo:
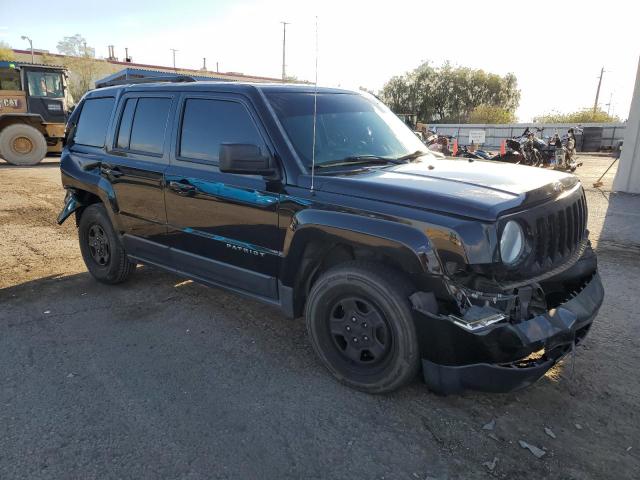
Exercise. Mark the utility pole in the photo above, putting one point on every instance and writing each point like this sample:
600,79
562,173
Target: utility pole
24,37
284,45
174,57
609,104
595,104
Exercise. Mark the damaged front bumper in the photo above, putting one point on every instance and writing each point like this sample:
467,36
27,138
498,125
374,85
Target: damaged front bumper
499,358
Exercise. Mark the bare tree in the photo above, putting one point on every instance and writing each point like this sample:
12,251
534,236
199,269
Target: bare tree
84,68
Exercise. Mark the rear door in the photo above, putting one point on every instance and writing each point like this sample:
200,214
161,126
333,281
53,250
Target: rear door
136,160
223,227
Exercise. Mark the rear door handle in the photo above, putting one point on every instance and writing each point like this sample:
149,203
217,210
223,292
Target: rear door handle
110,170
181,188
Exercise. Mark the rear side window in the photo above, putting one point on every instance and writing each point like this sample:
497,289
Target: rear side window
149,123
124,131
206,124
93,122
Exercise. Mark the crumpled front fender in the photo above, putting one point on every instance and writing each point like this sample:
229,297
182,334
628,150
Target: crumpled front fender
71,204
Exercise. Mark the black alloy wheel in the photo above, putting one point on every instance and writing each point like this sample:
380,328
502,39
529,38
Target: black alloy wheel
360,332
98,245
101,247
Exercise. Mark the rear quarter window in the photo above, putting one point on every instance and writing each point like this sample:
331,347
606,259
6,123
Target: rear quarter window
94,121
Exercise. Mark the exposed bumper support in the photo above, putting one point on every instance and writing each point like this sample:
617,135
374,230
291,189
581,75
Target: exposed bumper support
494,359
71,204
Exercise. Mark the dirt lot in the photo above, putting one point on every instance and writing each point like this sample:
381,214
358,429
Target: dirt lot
162,378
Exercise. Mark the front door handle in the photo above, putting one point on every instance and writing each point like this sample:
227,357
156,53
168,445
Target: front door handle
182,188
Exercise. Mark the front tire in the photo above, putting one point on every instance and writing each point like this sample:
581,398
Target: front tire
102,250
22,144
361,327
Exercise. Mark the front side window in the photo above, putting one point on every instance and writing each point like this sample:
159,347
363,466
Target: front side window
347,125
94,118
207,124
45,84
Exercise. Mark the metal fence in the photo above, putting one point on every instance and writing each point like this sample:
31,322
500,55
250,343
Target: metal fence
597,136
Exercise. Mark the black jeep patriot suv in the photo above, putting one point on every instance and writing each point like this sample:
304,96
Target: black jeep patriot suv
324,203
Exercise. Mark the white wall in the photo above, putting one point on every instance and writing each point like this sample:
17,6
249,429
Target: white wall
612,133
628,176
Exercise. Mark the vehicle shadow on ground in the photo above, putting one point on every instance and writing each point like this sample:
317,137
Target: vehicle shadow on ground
159,334
152,295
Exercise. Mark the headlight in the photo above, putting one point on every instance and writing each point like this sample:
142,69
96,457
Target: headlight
511,243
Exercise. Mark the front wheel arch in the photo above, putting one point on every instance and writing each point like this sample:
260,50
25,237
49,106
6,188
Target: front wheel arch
388,291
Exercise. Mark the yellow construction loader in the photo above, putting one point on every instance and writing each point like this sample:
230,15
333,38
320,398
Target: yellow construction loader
34,104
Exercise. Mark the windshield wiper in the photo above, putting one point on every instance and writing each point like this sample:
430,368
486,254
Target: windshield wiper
410,156
358,160
371,160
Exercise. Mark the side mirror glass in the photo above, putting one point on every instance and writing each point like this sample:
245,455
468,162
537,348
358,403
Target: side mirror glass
244,159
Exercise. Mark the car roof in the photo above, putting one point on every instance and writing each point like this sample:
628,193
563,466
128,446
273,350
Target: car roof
213,86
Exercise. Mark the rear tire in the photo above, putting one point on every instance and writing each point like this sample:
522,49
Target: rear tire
360,323
22,144
101,248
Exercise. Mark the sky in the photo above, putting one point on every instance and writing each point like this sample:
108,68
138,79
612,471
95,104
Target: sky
555,48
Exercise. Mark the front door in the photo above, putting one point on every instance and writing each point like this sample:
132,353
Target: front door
223,227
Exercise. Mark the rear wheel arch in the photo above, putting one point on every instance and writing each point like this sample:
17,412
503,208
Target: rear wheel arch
86,198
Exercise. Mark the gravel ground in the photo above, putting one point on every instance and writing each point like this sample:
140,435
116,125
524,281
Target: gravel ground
162,378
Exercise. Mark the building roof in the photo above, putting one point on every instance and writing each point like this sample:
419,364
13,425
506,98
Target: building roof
14,63
133,73
161,69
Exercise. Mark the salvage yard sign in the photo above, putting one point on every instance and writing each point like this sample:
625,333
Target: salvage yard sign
477,137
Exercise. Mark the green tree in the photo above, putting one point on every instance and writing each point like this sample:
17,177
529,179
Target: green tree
6,53
449,93
581,116
491,114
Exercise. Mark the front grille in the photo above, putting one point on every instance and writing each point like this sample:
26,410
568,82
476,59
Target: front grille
559,233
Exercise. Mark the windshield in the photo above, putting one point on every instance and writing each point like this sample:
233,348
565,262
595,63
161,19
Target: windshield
348,125
45,84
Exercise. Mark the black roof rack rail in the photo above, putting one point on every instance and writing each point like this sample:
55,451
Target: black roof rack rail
130,81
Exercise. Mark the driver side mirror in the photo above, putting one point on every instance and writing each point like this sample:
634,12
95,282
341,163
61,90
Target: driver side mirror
245,159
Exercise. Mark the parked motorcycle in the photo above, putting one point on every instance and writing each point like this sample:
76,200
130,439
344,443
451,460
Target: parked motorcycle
438,143
565,151
531,148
